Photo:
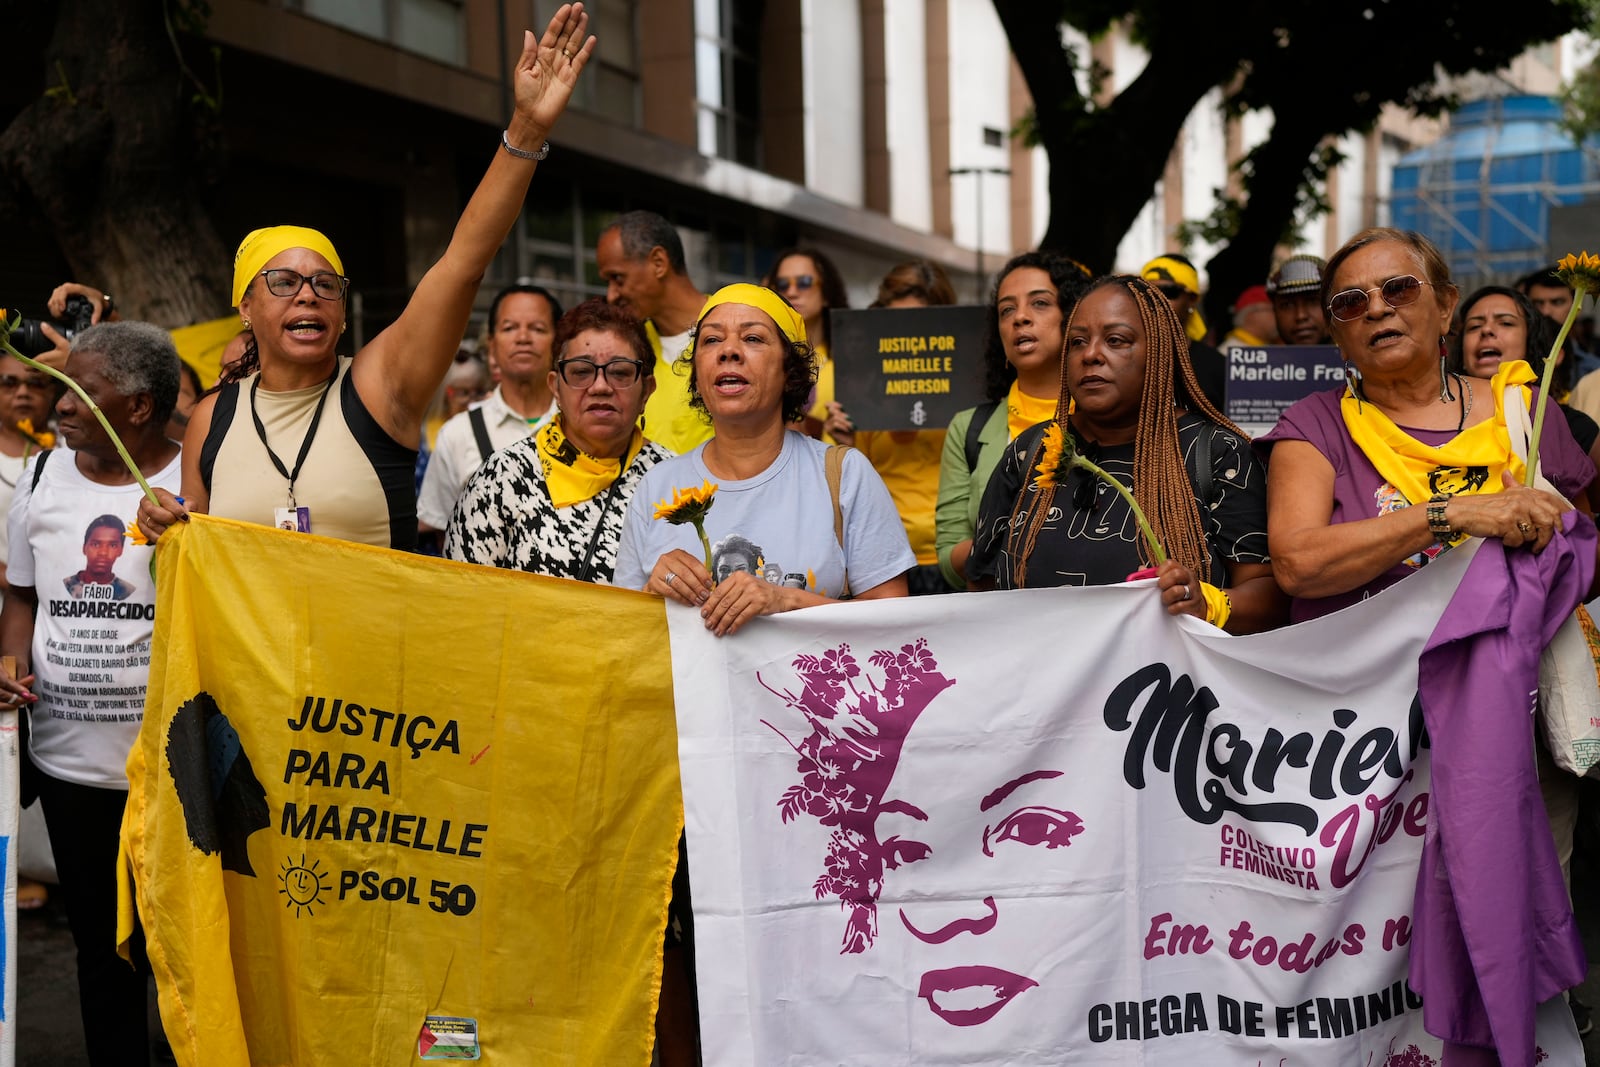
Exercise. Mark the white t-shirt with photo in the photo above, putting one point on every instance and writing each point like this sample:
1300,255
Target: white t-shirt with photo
97,609
777,525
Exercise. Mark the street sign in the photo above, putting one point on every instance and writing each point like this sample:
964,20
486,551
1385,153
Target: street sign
1266,379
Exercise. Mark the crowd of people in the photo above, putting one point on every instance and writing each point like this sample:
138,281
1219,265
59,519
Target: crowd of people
548,447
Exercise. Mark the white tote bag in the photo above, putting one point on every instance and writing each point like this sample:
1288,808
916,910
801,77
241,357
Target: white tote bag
1569,685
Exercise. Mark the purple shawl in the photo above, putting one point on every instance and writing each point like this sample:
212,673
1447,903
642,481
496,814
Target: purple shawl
1494,931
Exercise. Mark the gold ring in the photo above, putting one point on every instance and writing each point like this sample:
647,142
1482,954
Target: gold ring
567,53
1525,528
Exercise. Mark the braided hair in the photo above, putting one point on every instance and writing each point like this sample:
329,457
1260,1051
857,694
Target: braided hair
1161,482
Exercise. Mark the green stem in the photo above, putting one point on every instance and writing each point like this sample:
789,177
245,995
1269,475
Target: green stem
5,345
699,528
1544,383
1156,551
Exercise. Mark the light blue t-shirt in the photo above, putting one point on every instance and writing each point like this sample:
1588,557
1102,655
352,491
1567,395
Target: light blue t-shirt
777,525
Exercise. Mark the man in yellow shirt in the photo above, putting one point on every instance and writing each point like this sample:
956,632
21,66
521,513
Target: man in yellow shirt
642,263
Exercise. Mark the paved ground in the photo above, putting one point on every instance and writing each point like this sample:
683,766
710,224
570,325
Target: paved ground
49,1033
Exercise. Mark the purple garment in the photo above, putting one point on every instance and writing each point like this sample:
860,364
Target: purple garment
1493,931
1359,492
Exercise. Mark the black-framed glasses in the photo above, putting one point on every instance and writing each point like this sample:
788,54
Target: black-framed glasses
1348,304
37,382
580,372
799,282
282,281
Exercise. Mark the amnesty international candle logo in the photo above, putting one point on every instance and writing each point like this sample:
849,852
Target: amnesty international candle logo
907,368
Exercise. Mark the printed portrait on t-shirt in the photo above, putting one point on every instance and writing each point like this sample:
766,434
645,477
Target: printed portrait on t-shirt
733,554
102,547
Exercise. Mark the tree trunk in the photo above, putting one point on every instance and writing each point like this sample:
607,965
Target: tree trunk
1280,170
107,156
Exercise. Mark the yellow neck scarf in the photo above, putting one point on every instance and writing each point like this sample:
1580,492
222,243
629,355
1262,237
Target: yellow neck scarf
572,476
1470,462
1023,410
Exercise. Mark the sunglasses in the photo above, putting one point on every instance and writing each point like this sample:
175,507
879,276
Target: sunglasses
284,282
37,382
1397,292
581,373
799,282
1172,290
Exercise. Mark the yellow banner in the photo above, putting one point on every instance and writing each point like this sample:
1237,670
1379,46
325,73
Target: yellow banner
385,808
201,345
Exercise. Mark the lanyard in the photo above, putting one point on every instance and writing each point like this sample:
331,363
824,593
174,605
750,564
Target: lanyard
305,445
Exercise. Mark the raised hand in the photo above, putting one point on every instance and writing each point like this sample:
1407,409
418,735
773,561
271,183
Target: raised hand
546,72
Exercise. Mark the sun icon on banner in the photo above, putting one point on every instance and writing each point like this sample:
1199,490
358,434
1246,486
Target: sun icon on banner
302,885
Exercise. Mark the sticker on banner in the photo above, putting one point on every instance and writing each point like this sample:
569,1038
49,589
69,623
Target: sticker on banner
448,1037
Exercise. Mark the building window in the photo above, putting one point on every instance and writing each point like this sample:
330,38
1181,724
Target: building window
433,28
610,84
728,78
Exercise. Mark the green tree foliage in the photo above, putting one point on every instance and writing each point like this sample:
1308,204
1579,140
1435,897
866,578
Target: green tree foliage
1323,68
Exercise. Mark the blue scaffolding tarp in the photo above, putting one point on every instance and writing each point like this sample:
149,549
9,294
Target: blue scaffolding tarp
1483,192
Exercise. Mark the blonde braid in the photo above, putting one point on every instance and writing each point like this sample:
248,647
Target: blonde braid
1161,481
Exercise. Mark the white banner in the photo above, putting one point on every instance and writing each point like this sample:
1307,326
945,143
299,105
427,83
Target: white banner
10,795
1060,826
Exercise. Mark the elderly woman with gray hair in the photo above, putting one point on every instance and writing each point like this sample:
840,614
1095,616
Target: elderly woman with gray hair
72,570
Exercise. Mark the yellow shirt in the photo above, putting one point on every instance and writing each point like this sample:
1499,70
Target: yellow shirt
1023,410
668,419
908,463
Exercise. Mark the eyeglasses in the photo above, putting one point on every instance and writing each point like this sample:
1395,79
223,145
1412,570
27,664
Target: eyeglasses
1397,292
799,282
37,382
326,284
1172,290
580,373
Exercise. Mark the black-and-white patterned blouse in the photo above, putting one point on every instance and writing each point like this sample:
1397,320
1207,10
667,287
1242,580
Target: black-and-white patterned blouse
505,519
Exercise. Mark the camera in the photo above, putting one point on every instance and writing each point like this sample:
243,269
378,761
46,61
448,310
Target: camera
30,340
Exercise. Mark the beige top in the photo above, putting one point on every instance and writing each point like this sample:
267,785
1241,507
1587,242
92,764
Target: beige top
357,481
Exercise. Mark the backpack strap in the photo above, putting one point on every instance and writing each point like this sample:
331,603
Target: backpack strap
980,418
835,468
38,469
480,432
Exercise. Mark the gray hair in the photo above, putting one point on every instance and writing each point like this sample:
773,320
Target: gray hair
136,357
644,231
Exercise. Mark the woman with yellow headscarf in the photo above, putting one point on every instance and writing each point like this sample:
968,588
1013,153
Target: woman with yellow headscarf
783,530
301,438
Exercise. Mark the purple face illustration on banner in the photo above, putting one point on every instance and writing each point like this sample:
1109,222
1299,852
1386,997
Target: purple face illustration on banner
895,826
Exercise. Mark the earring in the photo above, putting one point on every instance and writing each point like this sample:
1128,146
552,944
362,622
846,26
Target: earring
343,326
1445,395
244,323
1352,378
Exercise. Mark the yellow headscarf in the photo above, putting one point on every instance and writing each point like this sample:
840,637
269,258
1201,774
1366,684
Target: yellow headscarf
1470,462
1166,269
757,296
259,246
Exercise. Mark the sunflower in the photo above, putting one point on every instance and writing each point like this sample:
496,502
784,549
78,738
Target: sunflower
42,438
1056,460
690,505
687,505
1581,272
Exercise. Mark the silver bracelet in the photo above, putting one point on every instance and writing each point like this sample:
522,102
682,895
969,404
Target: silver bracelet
505,142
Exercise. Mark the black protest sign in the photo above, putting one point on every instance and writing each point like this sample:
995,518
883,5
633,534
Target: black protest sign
907,368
